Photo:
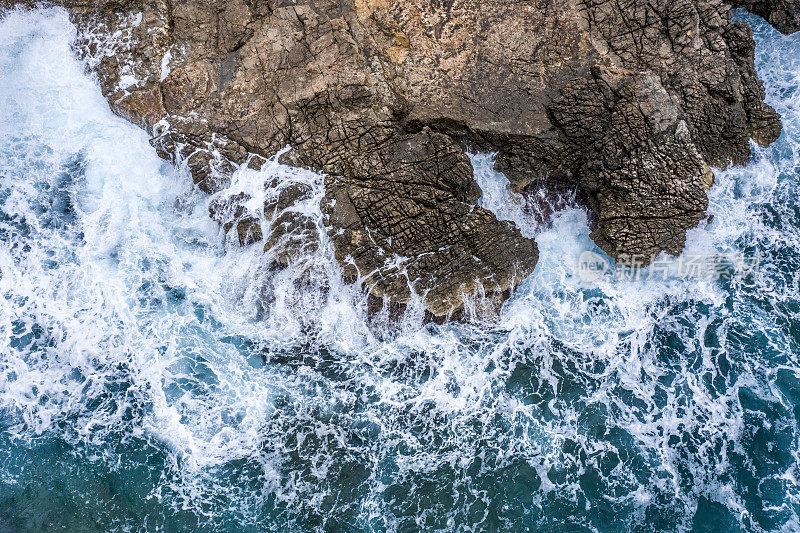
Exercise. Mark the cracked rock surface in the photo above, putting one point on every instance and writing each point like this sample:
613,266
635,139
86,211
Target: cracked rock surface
630,102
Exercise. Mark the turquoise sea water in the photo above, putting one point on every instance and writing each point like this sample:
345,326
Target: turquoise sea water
154,377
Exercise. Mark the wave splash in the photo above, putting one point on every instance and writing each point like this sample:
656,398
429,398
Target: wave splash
156,375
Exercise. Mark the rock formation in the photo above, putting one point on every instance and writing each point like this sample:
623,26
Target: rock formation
630,102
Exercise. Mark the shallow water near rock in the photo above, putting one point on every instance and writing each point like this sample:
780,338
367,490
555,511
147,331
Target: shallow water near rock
156,376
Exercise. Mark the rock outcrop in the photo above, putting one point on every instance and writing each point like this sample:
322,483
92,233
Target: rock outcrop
630,102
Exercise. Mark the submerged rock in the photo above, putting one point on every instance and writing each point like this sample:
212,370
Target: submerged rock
629,102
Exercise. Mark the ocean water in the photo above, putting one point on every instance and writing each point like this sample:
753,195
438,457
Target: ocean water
154,376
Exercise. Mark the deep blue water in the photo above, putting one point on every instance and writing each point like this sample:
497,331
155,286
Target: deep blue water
154,377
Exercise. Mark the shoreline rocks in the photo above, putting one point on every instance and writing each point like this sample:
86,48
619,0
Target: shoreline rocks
629,103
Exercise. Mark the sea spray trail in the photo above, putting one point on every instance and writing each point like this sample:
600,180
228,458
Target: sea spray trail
156,376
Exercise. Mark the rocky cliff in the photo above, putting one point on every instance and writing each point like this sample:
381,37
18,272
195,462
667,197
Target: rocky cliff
629,102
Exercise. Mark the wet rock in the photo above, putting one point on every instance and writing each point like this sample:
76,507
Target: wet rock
248,231
231,211
226,210
628,102
288,196
292,237
293,234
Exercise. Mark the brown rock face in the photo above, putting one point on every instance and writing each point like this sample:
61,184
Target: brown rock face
406,216
628,101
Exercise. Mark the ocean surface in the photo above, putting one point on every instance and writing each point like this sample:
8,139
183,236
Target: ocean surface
154,376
